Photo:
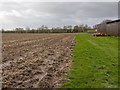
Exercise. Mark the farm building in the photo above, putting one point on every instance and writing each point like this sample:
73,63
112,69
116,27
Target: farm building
101,28
109,28
112,28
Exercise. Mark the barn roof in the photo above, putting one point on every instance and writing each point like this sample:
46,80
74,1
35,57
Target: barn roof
114,21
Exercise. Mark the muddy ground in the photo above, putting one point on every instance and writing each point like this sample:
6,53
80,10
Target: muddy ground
35,60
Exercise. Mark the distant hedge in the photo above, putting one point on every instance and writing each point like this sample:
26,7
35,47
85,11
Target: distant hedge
43,31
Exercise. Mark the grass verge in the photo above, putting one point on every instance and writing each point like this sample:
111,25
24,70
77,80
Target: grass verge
94,62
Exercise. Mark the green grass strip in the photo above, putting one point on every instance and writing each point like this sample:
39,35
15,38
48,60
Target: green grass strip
94,62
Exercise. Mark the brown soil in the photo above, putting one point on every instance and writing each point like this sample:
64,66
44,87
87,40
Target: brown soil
35,60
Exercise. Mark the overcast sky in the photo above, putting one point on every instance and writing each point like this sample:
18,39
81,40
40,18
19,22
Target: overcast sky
54,14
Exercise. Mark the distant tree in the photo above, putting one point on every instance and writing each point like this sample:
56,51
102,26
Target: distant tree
70,27
45,27
2,30
85,27
64,27
42,27
18,30
76,28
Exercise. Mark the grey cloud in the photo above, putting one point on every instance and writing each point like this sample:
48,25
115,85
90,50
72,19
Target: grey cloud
35,14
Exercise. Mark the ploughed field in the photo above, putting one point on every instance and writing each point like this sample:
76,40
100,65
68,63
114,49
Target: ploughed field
35,60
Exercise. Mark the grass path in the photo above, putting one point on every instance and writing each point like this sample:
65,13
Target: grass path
95,62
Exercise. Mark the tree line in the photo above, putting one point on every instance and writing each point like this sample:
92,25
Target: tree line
45,29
